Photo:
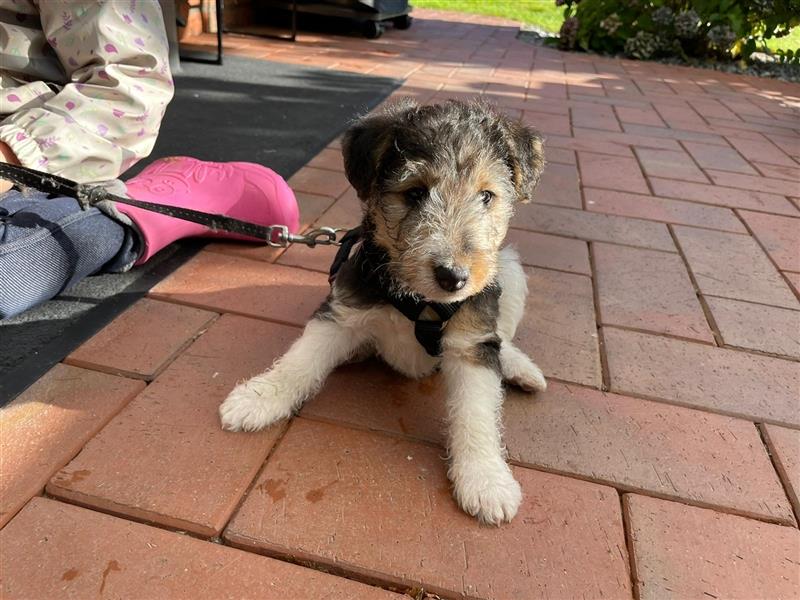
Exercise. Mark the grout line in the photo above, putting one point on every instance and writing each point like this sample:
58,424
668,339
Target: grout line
122,515
149,378
228,311
682,143
627,532
661,334
407,437
712,324
605,371
312,565
347,571
642,170
743,157
581,186
580,239
555,270
780,471
251,486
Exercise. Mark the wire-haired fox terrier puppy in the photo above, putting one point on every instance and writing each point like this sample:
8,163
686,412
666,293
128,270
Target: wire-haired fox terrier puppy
423,283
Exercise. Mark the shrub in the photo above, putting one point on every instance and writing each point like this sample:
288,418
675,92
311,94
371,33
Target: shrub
686,28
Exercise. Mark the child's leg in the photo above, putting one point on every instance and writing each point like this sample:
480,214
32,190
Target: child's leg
47,245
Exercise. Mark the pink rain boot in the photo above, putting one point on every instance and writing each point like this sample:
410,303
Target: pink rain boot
246,191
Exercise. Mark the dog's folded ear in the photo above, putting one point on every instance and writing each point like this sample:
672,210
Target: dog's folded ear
525,157
365,144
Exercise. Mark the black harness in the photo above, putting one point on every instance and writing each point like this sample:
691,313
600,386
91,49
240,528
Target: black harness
428,332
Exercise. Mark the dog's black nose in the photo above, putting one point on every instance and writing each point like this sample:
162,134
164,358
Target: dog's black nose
451,279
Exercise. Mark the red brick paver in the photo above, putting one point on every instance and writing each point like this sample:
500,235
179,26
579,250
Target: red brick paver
780,237
62,551
381,508
319,181
247,287
784,445
733,266
685,552
616,173
662,209
560,186
558,327
669,163
48,424
713,157
751,182
165,458
757,327
371,395
142,341
731,197
649,290
631,443
593,226
550,251
763,150
757,387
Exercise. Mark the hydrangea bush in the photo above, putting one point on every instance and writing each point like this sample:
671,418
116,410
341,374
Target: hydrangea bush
644,29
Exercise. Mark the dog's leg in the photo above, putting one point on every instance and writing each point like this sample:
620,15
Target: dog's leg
295,377
517,368
482,481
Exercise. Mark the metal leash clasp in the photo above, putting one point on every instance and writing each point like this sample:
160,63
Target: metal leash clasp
322,236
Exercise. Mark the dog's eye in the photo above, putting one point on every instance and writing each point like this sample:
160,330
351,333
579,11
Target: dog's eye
416,195
486,197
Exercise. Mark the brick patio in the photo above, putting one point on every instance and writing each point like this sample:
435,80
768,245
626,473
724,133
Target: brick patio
664,261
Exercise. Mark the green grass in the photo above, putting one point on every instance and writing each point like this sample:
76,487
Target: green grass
542,13
545,14
789,42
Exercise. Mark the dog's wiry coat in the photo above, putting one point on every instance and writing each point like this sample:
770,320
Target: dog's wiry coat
438,185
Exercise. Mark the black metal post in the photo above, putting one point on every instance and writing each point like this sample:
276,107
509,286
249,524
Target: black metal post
220,18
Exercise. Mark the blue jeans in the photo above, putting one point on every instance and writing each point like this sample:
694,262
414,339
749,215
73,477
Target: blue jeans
47,245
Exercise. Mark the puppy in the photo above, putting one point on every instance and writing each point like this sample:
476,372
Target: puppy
424,284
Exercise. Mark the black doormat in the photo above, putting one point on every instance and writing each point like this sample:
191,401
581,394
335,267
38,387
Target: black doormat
247,110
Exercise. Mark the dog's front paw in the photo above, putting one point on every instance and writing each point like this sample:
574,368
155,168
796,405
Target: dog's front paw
253,405
489,493
520,370
530,378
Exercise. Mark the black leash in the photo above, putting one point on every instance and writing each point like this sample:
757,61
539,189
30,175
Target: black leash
428,332
88,196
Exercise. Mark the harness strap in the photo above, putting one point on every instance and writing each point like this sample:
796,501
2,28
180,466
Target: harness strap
428,332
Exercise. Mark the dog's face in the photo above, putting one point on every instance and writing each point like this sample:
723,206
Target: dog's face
439,184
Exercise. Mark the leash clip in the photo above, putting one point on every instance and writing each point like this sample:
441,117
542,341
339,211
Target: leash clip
322,236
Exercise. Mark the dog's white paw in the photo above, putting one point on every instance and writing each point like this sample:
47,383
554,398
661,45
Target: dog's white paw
489,493
520,370
254,405
530,379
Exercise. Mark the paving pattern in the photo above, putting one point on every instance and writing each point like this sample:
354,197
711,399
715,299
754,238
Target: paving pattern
663,254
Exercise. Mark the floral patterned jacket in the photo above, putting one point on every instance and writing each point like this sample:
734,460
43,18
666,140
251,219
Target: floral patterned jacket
83,84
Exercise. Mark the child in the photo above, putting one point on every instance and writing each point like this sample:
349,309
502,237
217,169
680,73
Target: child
83,89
